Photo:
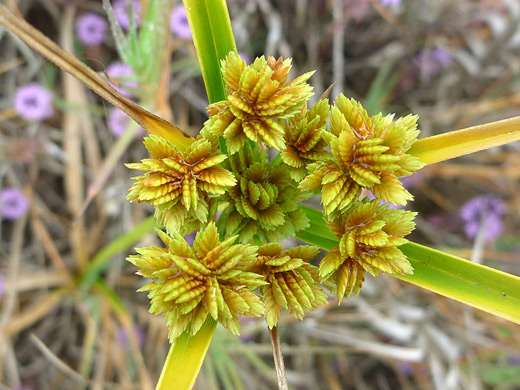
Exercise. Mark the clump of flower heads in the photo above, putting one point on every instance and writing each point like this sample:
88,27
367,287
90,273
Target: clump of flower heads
222,275
178,183
292,281
258,96
368,152
369,235
212,278
304,143
264,203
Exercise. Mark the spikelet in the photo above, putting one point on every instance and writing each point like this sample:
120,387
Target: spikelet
292,281
257,97
303,141
264,204
212,278
178,184
369,235
368,152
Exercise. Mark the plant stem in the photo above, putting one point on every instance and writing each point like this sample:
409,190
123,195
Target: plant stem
278,358
185,358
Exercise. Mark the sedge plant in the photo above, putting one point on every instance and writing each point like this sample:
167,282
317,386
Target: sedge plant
223,184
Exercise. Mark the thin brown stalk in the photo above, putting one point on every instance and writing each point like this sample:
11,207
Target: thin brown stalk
278,358
73,177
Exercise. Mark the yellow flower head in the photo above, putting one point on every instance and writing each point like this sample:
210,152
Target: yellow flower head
264,204
369,235
257,97
368,152
212,278
292,281
303,141
178,183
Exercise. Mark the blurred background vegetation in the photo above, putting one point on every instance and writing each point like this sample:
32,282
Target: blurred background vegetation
69,314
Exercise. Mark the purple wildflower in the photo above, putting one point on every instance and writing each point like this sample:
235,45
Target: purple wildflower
484,209
514,360
122,336
91,29
179,22
122,72
33,102
118,122
122,12
13,203
431,61
390,3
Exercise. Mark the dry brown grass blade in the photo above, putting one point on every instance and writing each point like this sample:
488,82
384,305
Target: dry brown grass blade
56,361
73,175
52,251
33,313
70,64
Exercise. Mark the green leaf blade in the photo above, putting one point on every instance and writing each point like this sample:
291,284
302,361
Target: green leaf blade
476,285
457,143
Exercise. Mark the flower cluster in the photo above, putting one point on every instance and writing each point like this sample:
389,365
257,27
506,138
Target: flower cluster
258,200
303,141
292,281
212,278
264,203
368,152
178,183
369,235
258,96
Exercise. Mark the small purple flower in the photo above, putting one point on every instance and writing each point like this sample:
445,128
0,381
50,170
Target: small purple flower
122,12
179,22
122,336
484,209
390,3
33,102
13,203
431,61
121,72
514,360
118,122
91,29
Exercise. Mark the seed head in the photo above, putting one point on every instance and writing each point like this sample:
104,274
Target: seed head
178,183
258,96
369,235
292,281
303,141
264,203
368,152
212,278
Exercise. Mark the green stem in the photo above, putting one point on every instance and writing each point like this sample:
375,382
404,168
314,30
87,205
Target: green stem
213,38
185,358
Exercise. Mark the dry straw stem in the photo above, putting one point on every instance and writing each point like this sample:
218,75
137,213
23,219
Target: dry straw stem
73,177
70,64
